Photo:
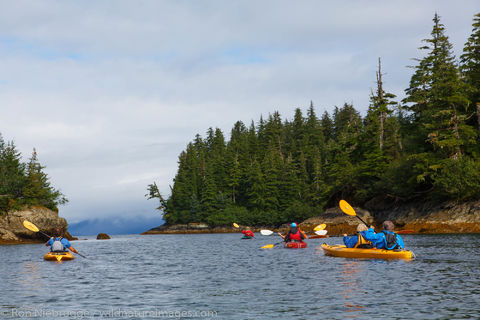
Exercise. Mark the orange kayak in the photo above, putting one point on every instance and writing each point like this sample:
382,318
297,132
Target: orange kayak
342,251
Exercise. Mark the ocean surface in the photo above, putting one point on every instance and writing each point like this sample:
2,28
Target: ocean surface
220,276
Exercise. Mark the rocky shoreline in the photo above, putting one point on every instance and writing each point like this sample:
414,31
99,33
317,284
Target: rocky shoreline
417,217
12,230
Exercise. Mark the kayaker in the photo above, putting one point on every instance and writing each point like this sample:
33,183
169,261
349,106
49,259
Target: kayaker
248,233
59,244
387,239
294,234
358,240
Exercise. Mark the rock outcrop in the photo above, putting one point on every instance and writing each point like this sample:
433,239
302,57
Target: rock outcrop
13,231
419,217
190,228
103,236
338,222
424,217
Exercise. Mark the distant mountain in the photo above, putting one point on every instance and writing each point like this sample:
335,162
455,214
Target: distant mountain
115,225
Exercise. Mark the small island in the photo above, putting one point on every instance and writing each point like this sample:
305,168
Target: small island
415,161
26,194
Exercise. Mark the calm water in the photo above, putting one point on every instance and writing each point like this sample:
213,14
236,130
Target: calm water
221,276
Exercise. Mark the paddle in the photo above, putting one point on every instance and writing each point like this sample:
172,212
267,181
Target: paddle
269,246
320,227
266,232
321,232
269,232
30,226
236,225
349,210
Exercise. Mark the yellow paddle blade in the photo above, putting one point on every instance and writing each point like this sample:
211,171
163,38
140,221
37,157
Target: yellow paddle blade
30,226
59,257
320,227
268,246
236,225
347,208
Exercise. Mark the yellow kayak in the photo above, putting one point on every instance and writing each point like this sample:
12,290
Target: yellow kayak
343,251
58,256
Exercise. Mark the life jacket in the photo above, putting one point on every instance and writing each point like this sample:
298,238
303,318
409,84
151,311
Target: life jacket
390,240
57,245
362,242
248,233
294,236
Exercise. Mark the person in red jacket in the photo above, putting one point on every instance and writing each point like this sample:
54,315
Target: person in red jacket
248,233
294,234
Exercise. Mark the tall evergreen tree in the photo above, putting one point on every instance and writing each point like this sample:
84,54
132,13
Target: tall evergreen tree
12,177
38,190
470,67
438,97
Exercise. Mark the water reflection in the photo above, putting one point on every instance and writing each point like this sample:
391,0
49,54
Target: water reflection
350,278
31,277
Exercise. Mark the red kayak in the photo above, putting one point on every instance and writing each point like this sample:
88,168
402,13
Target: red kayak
295,245
404,231
318,236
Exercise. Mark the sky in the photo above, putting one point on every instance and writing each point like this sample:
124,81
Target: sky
110,92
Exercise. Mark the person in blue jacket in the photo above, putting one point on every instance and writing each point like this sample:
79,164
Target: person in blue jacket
59,244
387,239
358,240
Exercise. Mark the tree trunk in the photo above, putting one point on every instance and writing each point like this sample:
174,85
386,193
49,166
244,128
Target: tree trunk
458,151
380,138
381,102
478,115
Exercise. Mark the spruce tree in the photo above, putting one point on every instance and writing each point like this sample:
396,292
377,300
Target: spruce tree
438,97
12,177
470,67
38,190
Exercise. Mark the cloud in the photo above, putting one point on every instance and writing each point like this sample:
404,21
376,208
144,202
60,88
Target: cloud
110,93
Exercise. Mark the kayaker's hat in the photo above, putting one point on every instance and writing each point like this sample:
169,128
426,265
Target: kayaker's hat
388,225
361,227
293,225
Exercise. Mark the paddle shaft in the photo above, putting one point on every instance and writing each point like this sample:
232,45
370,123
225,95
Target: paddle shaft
362,220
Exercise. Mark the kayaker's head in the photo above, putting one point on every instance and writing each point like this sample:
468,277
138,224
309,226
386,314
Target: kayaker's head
388,225
293,226
361,227
247,228
57,232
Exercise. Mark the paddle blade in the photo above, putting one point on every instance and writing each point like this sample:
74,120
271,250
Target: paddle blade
320,227
236,225
321,232
347,208
266,232
268,246
30,226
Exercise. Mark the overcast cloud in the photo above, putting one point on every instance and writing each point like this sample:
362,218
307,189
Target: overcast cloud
110,92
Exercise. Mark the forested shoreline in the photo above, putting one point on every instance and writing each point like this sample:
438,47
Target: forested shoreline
24,184
425,147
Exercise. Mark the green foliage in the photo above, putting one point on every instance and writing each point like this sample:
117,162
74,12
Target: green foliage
458,179
24,184
276,171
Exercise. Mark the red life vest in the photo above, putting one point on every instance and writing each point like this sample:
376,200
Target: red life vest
295,236
248,233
